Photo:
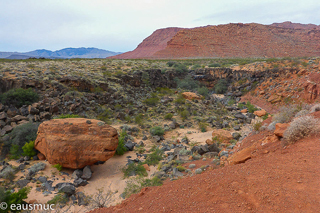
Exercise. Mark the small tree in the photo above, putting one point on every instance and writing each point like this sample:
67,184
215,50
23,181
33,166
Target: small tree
28,149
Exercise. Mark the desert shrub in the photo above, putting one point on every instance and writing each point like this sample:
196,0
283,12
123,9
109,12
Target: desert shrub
302,113
285,114
8,173
241,105
188,83
257,126
101,199
19,97
121,149
203,91
171,63
59,198
180,68
203,126
62,116
315,108
265,117
272,126
37,167
28,149
302,127
251,108
168,116
58,167
180,99
196,66
134,168
184,114
221,87
157,130
214,65
135,185
13,198
165,91
105,116
181,168
139,119
154,157
152,101
18,138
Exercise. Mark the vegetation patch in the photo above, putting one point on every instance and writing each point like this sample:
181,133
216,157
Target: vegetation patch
19,97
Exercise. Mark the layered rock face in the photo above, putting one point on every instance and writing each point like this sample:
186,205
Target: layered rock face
76,142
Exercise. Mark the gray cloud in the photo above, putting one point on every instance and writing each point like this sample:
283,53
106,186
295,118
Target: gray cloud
121,25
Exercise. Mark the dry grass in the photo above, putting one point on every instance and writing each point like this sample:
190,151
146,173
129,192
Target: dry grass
302,127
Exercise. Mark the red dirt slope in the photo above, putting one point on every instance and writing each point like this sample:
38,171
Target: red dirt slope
276,179
155,42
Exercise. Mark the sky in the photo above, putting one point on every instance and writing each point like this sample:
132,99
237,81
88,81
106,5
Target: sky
120,25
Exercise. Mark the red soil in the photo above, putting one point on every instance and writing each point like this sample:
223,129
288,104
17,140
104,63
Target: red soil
276,179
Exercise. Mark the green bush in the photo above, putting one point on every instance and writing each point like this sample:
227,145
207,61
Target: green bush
28,149
62,116
19,136
203,126
58,167
121,149
203,91
171,63
135,185
139,119
221,87
59,198
184,114
19,97
13,198
168,116
187,83
151,101
157,130
154,157
8,173
37,167
180,99
136,168
214,65
180,68
251,107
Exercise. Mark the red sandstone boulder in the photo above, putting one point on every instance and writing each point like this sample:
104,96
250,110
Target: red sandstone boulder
191,96
280,129
260,113
222,135
76,142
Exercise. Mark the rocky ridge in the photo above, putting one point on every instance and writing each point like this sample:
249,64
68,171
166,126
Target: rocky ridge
231,40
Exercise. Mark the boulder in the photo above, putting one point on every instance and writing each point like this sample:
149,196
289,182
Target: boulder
260,113
280,129
191,96
73,143
242,156
274,99
222,135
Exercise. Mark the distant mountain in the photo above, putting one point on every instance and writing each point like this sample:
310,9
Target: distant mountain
63,53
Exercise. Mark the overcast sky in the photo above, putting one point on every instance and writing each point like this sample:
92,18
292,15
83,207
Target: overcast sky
120,25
